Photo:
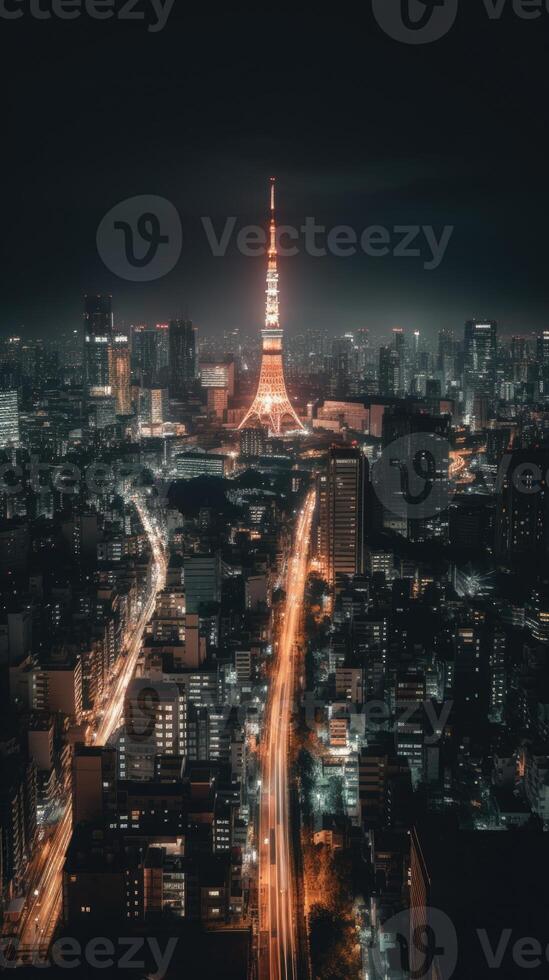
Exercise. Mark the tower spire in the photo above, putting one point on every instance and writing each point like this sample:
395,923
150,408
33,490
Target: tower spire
272,317
271,404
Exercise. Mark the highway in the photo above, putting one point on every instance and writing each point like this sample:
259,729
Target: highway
43,905
459,470
278,947
114,704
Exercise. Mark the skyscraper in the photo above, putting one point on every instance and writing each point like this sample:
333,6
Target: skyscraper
145,354
120,373
401,347
98,334
202,581
362,340
411,480
183,341
480,356
271,405
150,354
519,357
9,418
446,359
542,351
389,371
343,514
153,409
522,515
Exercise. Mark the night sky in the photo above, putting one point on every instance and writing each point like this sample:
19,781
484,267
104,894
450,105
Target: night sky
360,130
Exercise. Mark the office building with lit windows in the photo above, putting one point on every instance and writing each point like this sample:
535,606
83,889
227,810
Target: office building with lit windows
120,373
98,336
9,418
343,514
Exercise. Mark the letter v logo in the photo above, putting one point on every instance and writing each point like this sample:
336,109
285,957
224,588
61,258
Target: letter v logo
415,21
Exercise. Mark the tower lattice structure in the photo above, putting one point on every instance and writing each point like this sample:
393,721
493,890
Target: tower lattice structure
271,405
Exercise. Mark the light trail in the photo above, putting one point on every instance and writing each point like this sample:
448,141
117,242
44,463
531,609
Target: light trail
44,901
278,948
459,470
112,718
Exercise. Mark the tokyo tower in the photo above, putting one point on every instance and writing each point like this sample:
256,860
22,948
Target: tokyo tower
271,405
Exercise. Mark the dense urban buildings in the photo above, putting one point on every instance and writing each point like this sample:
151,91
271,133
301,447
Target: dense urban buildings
274,504
174,560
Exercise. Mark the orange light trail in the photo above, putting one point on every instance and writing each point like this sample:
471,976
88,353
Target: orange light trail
44,902
278,955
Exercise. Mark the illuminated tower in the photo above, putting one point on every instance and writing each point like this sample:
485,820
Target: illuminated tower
271,404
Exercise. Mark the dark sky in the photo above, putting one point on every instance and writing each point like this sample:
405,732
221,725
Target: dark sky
360,130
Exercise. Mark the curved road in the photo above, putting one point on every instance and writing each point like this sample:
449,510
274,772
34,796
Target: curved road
44,905
278,950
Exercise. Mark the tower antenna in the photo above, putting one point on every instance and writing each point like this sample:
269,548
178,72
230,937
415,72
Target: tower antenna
271,404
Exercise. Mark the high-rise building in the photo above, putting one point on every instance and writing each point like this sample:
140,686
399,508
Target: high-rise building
497,674
271,406
217,378
446,359
389,371
93,782
401,347
362,341
416,348
433,394
120,373
218,374
202,581
153,408
98,334
252,442
522,514
412,477
410,695
9,418
154,724
519,358
163,349
145,353
343,514
150,353
101,412
542,351
480,357
183,340
465,885
537,613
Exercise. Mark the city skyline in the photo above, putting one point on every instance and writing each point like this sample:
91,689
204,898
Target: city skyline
274,491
